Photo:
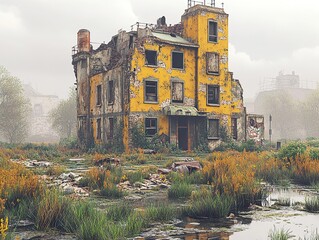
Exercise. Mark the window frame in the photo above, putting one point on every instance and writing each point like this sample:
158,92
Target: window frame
151,127
153,80
98,129
209,135
110,92
173,81
146,62
111,127
234,128
215,36
99,95
217,103
218,66
178,52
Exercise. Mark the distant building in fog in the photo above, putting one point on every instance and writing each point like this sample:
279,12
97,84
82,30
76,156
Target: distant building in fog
279,97
41,105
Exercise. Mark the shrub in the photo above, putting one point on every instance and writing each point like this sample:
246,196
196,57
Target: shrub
290,151
314,153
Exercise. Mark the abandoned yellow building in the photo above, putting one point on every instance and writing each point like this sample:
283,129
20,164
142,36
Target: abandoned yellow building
167,81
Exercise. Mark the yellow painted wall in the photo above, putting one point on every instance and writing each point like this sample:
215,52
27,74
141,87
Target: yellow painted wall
164,73
195,23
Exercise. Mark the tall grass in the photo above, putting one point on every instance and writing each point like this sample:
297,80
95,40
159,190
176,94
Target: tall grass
312,204
179,190
160,212
280,234
206,204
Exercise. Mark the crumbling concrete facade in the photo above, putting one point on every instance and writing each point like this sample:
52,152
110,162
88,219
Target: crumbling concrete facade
171,80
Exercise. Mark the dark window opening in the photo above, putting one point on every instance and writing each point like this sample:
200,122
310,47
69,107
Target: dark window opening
99,95
151,57
110,93
212,62
98,129
131,42
115,41
212,31
213,128
178,60
150,126
177,92
150,91
84,63
212,94
234,128
111,133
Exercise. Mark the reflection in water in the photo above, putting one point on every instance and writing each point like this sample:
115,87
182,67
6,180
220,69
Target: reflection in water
258,223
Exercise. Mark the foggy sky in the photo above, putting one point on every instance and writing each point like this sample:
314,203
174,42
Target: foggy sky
265,37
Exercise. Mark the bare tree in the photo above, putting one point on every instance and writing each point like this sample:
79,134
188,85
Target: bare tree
14,108
63,117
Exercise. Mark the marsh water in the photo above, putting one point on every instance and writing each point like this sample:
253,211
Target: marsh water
258,222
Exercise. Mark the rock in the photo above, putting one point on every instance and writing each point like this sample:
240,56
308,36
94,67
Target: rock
163,185
101,162
182,169
133,197
138,184
163,171
64,176
149,151
192,166
68,189
24,224
73,175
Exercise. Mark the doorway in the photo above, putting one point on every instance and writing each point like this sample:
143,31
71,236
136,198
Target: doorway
183,133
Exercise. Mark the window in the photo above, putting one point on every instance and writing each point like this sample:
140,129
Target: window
150,88
150,57
177,92
212,31
150,126
84,63
212,63
213,128
234,128
178,60
111,124
212,94
99,95
98,129
110,92
38,111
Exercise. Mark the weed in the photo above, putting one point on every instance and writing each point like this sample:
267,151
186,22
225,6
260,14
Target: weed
312,204
179,190
210,206
118,212
283,202
281,234
160,212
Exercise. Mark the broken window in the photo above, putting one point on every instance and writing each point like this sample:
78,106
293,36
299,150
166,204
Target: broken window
234,128
178,60
213,128
99,95
98,128
150,127
212,94
150,91
111,125
177,92
212,31
110,92
150,57
212,62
